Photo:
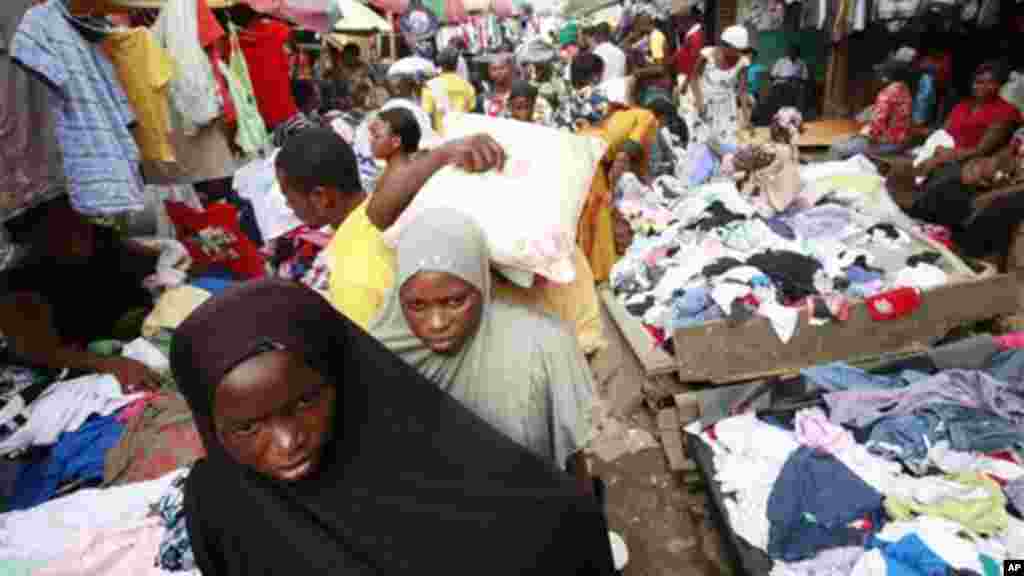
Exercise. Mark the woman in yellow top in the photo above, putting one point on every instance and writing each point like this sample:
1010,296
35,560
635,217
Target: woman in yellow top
602,234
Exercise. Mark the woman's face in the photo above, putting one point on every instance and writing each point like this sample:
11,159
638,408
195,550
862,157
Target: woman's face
442,310
521,108
985,86
273,413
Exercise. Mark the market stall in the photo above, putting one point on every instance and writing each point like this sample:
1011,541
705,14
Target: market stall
718,291
900,482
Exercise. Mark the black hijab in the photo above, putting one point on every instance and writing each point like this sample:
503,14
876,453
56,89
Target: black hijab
412,482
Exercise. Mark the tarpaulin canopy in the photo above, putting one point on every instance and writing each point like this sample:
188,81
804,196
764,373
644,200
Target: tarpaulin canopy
318,15
357,18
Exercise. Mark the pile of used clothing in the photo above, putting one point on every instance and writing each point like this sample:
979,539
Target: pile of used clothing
706,252
913,468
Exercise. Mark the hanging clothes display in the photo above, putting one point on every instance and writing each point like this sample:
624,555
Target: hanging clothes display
251,133
31,167
263,43
193,90
92,111
213,40
145,70
418,27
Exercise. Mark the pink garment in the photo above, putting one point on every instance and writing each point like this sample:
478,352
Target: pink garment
1010,341
129,549
813,429
135,408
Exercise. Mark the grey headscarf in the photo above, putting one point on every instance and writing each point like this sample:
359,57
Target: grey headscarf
521,371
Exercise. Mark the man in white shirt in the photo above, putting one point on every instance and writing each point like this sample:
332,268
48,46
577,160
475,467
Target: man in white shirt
790,67
614,59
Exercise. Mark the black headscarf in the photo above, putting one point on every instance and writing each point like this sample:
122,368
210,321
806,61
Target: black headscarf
411,482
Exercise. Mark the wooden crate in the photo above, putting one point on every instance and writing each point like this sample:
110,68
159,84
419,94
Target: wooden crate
720,353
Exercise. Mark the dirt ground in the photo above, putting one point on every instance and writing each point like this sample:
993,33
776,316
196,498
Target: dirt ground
662,522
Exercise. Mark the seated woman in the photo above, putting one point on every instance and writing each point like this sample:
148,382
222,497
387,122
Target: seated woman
990,230
889,130
326,454
76,285
519,370
979,126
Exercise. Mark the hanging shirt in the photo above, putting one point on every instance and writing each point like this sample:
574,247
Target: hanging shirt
614,60
101,159
145,70
212,38
686,56
263,44
31,167
967,126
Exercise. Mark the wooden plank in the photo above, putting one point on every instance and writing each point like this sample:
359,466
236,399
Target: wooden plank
720,353
672,440
654,360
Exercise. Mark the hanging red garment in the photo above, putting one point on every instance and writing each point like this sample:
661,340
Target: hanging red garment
214,237
213,39
263,44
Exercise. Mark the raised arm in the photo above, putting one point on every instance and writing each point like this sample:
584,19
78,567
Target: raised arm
397,188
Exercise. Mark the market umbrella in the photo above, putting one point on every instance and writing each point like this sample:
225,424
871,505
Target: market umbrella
535,52
358,18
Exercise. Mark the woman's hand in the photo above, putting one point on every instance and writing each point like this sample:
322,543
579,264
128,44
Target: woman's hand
623,232
620,166
134,376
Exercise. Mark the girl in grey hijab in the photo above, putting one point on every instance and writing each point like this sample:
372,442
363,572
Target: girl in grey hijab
519,370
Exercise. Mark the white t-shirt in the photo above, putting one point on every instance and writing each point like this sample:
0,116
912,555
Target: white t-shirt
614,61
786,69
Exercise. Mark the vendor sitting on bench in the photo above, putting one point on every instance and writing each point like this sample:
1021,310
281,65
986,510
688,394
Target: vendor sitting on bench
989,231
889,130
979,126
77,285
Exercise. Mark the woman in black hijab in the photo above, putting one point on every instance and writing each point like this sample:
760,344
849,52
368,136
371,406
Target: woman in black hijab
329,455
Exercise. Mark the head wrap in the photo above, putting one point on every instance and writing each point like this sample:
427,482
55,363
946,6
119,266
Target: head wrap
411,481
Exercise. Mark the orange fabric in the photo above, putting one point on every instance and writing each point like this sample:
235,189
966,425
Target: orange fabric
596,232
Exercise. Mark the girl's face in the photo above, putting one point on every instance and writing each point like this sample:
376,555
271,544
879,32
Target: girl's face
442,310
273,413
521,108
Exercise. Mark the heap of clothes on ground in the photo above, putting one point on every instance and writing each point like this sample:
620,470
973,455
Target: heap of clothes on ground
916,468
710,251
